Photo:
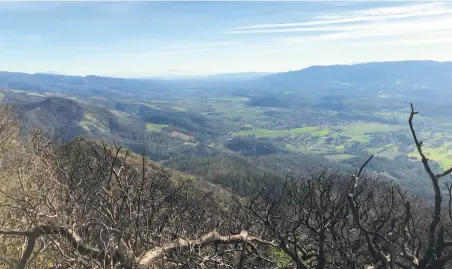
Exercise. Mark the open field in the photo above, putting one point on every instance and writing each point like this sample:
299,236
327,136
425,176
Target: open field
151,127
344,141
281,133
339,157
443,154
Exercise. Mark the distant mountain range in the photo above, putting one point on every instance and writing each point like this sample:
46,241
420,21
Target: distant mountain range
372,71
225,76
364,73
413,75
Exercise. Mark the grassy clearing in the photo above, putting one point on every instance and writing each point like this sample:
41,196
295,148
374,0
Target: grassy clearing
237,109
389,151
291,147
355,131
318,147
318,131
339,157
323,132
262,133
151,127
389,154
370,127
304,130
190,143
91,124
442,155
340,147
119,113
356,137
359,132
297,148
87,121
389,147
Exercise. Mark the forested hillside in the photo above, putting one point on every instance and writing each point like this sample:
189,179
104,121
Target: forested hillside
91,204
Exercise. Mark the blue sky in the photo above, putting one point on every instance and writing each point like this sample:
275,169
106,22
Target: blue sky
144,39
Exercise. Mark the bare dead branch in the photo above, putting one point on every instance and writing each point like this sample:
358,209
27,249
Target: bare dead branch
209,238
71,236
428,254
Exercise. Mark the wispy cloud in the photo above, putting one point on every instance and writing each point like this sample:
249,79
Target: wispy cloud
388,29
375,14
416,22
338,23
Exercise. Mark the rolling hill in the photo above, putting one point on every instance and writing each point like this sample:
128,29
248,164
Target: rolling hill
68,118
